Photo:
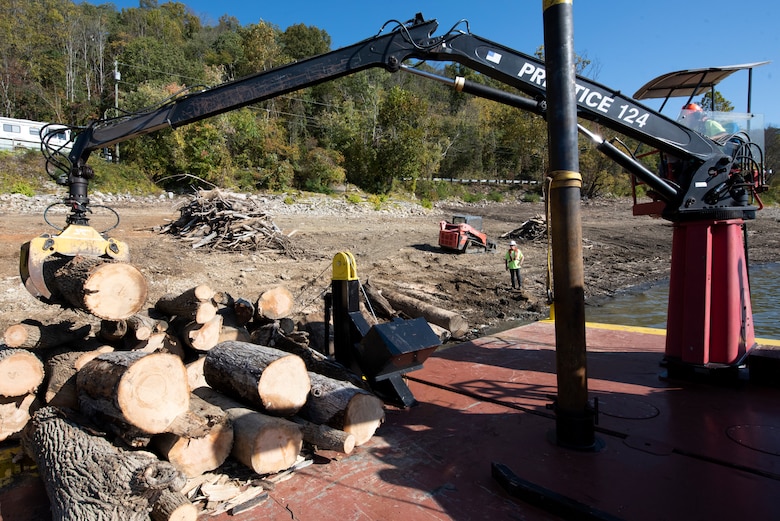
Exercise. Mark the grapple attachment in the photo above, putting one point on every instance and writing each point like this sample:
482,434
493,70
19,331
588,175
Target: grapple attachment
74,239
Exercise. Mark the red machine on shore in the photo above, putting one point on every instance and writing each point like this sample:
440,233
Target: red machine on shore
464,235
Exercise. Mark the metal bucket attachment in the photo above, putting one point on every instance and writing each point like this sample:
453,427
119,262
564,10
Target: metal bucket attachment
391,349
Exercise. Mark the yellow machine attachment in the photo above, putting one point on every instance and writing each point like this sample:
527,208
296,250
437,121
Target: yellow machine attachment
74,239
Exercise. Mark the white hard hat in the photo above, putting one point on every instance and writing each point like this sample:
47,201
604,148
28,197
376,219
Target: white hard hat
512,243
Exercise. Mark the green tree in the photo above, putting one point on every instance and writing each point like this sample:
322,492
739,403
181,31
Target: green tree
400,144
720,104
300,41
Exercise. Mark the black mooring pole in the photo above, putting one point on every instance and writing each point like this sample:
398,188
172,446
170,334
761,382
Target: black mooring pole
575,420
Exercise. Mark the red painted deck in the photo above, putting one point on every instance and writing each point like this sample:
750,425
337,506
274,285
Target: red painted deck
671,449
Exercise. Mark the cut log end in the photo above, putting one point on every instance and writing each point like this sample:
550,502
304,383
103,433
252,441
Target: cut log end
284,386
276,448
154,391
363,417
115,291
21,372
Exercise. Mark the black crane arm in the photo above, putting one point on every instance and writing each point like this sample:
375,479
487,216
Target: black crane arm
708,164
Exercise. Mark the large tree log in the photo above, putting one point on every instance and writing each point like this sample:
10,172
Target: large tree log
147,391
258,375
414,308
265,444
14,414
61,372
32,334
274,303
107,289
86,477
194,304
343,406
21,372
195,454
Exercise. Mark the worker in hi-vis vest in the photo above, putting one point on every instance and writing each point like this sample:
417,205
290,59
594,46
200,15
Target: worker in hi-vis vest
513,260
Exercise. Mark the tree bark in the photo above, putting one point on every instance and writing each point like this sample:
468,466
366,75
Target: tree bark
379,303
61,372
33,335
323,437
200,443
173,506
262,376
112,330
105,289
21,372
265,444
146,391
274,303
318,363
455,323
86,477
343,406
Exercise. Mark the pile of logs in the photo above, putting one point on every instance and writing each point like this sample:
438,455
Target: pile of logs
134,415
228,222
534,229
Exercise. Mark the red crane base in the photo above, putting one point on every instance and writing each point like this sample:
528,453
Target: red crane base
710,319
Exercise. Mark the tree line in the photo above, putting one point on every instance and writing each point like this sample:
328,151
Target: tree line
59,62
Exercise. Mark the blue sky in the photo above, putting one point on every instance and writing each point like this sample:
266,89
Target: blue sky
630,42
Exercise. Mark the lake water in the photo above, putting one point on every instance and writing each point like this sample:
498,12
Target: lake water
646,306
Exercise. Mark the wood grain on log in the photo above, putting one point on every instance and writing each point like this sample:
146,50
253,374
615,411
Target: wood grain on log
107,289
261,376
21,372
265,444
274,303
147,391
202,336
195,377
15,412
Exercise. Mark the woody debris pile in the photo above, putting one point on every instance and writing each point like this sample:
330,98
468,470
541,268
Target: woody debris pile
216,220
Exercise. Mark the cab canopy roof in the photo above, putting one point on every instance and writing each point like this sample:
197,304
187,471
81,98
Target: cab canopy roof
692,82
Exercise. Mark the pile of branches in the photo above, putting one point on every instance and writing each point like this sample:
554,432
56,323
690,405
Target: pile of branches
227,222
534,229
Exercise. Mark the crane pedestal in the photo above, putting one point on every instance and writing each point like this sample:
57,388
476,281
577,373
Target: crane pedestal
710,318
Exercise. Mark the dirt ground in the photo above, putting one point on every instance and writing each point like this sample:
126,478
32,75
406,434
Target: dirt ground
397,251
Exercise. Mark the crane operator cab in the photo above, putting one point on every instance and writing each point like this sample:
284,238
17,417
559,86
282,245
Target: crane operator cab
721,126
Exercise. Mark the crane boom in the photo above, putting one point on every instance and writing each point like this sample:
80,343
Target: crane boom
705,187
